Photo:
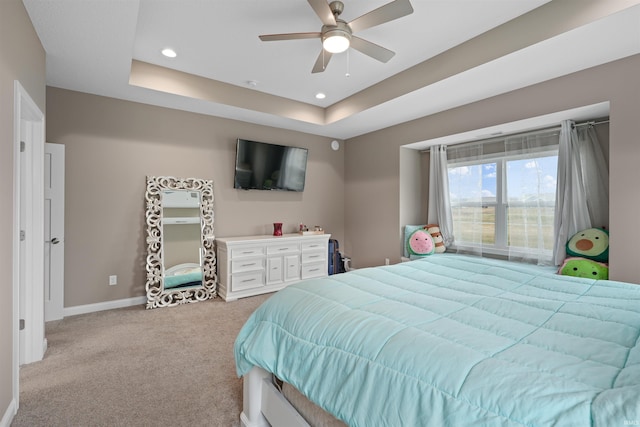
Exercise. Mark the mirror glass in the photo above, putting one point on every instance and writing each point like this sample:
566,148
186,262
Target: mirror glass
181,246
180,253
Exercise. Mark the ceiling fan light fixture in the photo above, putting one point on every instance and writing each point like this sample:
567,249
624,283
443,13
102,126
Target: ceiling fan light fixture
336,41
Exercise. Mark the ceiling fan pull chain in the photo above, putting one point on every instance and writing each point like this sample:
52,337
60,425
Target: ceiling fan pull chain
348,73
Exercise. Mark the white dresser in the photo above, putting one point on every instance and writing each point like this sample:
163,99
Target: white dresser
253,265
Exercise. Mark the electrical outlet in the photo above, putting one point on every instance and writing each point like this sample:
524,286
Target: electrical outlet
113,280
386,261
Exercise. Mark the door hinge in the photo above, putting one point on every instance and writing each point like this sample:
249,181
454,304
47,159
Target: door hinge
21,324
23,235
22,146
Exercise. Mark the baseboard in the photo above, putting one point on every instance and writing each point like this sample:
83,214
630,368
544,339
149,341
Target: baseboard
7,418
101,306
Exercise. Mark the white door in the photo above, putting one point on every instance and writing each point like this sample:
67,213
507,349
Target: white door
53,231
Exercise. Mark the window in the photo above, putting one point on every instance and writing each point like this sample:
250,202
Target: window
504,201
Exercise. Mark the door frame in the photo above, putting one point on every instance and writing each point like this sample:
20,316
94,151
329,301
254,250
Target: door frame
26,110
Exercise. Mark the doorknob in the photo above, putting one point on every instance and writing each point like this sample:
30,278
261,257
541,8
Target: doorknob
53,241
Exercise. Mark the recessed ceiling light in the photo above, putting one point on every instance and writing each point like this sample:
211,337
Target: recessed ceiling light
169,53
320,95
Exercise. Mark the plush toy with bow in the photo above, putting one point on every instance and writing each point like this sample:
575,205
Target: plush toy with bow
434,230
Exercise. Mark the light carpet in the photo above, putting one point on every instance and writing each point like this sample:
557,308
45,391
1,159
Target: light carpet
134,367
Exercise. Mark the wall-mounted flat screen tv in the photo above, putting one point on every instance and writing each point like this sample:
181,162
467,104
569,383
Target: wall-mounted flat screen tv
263,166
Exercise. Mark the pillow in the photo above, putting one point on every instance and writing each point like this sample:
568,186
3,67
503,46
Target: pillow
420,244
592,243
583,267
408,230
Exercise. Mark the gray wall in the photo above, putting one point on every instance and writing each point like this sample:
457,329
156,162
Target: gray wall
372,186
21,58
112,145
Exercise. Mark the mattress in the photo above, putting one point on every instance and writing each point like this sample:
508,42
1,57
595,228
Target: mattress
454,340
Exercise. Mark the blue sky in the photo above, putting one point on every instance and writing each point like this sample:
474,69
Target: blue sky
524,177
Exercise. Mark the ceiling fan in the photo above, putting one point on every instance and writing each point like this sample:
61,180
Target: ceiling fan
337,35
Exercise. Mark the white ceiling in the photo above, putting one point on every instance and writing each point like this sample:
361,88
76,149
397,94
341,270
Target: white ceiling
90,45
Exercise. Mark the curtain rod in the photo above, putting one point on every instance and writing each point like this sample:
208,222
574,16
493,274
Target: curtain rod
592,123
540,130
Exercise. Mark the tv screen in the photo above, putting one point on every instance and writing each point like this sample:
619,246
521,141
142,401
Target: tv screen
263,166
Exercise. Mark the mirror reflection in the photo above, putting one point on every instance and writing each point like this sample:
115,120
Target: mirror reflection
182,248
180,242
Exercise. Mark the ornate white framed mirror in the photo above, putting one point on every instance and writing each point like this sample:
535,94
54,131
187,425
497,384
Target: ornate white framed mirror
181,260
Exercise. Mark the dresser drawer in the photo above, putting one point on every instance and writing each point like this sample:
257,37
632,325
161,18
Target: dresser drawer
253,279
283,249
247,264
247,251
314,246
315,256
314,270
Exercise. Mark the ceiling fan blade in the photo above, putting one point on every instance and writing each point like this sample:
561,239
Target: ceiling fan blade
388,12
290,36
322,9
371,49
322,61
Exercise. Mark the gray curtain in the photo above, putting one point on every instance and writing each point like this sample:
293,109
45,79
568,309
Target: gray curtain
439,211
582,195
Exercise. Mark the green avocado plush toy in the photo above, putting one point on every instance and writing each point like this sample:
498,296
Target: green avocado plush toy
592,243
583,267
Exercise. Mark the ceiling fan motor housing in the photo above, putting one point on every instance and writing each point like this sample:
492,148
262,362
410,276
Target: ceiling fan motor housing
340,29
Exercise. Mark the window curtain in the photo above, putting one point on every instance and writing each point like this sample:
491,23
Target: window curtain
439,210
467,200
582,195
529,196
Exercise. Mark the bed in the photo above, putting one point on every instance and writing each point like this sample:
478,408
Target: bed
183,275
446,340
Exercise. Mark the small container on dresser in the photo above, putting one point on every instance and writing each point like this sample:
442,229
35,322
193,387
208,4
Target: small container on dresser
253,265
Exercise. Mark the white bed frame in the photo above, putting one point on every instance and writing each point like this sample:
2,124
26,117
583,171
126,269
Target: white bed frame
263,405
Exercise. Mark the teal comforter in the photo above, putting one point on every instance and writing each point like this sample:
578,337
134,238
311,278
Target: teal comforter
450,340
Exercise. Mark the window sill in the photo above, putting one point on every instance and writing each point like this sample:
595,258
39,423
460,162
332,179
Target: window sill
503,253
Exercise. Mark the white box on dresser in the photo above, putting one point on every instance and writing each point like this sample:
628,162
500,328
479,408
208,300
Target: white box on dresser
253,265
